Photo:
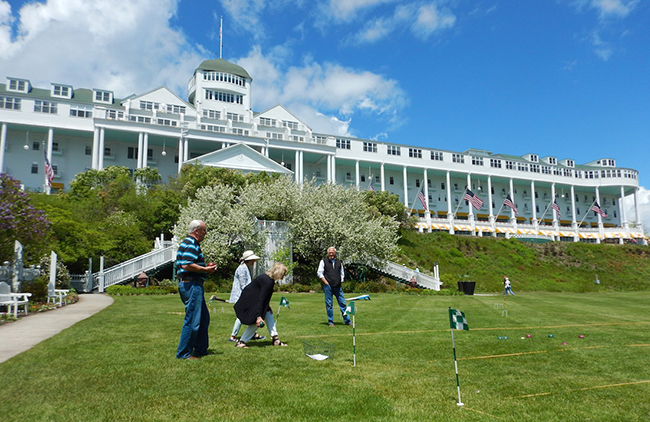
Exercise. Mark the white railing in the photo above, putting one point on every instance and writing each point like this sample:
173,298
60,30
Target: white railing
405,273
132,268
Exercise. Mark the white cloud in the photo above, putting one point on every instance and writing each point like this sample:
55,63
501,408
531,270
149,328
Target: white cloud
336,91
430,19
126,47
608,9
347,10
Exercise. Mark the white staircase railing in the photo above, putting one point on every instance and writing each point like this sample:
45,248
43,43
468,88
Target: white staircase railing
405,273
130,269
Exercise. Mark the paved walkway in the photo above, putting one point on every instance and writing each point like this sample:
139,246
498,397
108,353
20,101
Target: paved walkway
28,331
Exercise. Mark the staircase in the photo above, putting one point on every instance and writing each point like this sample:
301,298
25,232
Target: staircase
162,255
403,274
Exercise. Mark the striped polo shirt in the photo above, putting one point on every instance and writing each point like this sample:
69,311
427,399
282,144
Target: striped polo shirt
189,251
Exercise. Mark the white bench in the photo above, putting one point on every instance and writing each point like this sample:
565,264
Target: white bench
13,300
59,295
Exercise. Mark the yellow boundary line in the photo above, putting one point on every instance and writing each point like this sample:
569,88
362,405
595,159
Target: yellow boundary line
477,329
482,413
546,351
588,388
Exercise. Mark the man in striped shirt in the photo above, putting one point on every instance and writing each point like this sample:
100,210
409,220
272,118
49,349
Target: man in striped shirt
192,272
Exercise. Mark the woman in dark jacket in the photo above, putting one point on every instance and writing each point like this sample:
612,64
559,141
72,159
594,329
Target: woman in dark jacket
253,308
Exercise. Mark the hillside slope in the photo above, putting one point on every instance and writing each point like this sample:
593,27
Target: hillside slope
554,266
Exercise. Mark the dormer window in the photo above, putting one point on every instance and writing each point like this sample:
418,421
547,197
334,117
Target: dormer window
570,163
101,96
18,85
61,91
149,105
534,158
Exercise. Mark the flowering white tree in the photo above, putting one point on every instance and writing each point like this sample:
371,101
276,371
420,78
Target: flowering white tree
319,216
231,227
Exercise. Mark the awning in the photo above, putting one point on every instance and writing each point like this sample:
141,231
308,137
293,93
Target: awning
506,230
439,226
483,229
526,231
637,235
589,236
462,228
547,232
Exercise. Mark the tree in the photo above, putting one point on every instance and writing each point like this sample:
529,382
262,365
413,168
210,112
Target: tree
20,220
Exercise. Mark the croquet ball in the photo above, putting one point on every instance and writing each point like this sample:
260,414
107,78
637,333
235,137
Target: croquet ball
262,324
564,343
523,338
500,338
550,336
581,336
528,336
210,264
505,338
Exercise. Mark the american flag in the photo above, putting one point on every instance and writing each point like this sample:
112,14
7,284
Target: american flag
556,208
49,171
473,199
423,199
596,208
508,203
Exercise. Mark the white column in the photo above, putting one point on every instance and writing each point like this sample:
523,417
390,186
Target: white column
491,213
406,187
95,156
600,219
470,208
145,147
329,168
139,155
427,212
553,199
186,149
100,156
573,206
621,208
382,175
181,144
333,168
514,200
50,142
534,203
296,174
357,174
449,205
3,144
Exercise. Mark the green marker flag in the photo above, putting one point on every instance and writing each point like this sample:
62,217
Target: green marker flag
350,309
284,302
457,320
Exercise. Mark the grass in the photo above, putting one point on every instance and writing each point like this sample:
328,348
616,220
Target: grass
119,364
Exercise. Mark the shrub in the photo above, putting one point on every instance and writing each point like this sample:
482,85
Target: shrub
37,287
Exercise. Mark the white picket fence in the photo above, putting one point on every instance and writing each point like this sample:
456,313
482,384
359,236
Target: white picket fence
130,269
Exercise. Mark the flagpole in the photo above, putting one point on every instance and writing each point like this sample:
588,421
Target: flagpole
221,38
544,213
453,343
461,200
354,342
277,317
586,213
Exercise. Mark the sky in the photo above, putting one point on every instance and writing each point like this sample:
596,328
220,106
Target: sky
561,78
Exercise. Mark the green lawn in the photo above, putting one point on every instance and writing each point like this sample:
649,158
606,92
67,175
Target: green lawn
119,364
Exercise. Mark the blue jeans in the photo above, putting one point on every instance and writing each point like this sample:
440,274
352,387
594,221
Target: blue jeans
330,293
194,334
508,290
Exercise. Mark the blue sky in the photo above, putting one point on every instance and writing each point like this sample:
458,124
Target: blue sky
566,78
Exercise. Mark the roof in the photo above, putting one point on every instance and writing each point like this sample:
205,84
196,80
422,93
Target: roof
221,65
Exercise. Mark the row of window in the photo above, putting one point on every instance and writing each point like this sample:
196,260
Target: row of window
224,77
58,90
168,108
225,97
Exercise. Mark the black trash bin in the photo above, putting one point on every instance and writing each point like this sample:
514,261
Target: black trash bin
469,287
461,286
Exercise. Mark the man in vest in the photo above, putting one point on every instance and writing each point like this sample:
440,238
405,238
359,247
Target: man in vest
330,272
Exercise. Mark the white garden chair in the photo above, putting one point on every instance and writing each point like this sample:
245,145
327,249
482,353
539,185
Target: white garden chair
13,300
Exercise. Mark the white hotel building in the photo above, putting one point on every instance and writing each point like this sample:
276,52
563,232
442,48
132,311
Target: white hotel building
79,129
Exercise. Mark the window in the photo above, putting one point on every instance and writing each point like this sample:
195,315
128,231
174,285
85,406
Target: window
76,111
570,163
348,177
417,183
510,165
55,170
115,114
320,139
214,128
225,97
36,145
442,185
61,91
238,131
140,119
212,114
415,153
436,155
534,158
522,166
370,147
394,150
272,135
391,180
343,143
175,109
148,105
552,160
130,153
45,107
103,96
107,152
534,168
89,150
18,85
265,121
290,125
458,158
546,170
234,117
149,154
9,103
55,147
34,168
363,177
495,162
167,122
224,77
477,161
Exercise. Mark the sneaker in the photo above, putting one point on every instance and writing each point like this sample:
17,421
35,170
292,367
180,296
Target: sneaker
348,322
241,344
331,324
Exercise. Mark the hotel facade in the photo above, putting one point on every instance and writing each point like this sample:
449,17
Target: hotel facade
79,129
